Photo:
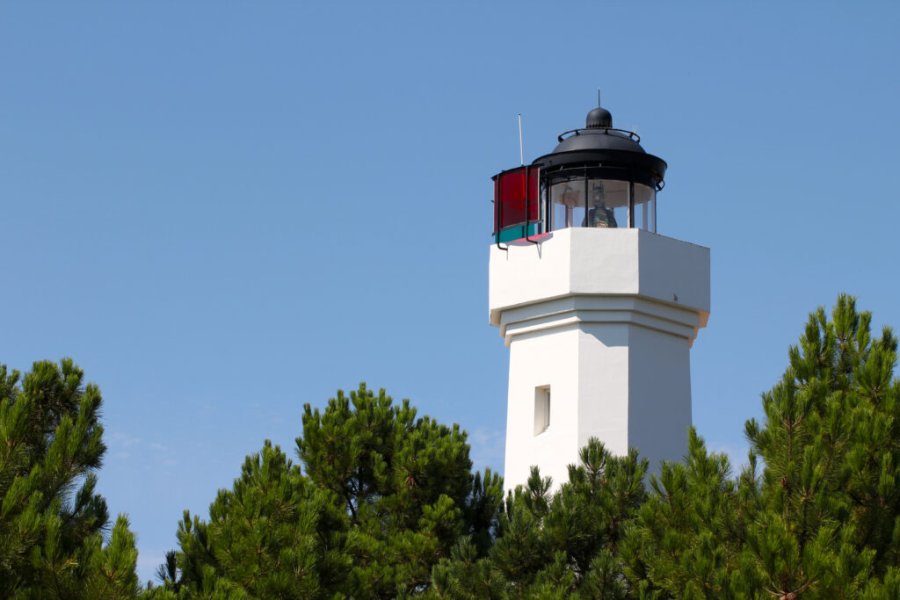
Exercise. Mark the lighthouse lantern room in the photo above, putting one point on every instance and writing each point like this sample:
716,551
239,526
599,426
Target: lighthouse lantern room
598,310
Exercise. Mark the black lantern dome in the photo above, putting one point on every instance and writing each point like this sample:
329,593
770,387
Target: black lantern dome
600,145
597,176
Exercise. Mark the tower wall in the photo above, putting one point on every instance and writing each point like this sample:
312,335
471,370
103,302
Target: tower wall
530,371
659,408
604,320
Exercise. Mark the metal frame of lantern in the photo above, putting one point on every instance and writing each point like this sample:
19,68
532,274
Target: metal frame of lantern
601,168
635,175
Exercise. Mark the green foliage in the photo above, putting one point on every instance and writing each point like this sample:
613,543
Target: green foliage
821,519
402,481
383,496
466,576
831,446
51,519
112,568
584,523
262,537
555,546
688,534
385,504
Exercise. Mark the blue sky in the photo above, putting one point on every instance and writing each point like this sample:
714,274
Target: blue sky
222,211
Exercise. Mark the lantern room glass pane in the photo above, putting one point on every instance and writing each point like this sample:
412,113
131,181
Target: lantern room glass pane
644,207
567,203
607,203
602,203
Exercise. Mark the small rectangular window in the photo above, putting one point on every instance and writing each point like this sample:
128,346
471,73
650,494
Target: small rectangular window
541,409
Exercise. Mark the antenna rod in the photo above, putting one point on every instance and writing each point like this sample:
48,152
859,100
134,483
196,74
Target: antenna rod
521,147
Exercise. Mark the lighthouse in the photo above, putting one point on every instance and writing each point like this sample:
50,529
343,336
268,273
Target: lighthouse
598,309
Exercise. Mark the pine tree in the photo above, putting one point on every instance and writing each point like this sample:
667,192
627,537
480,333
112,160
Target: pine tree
404,482
385,504
382,497
262,536
830,503
555,546
111,568
51,518
688,537
822,517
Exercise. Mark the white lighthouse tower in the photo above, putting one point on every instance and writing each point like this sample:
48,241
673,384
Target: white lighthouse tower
598,310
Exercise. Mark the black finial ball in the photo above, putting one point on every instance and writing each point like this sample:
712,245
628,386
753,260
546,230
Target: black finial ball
599,118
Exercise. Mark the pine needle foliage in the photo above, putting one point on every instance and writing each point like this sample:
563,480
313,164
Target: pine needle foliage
384,504
52,521
559,545
829,499
814,515
381,497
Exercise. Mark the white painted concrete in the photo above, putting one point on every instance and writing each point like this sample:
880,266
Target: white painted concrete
605,318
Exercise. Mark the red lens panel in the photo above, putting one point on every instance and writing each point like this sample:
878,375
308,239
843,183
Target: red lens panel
516,197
